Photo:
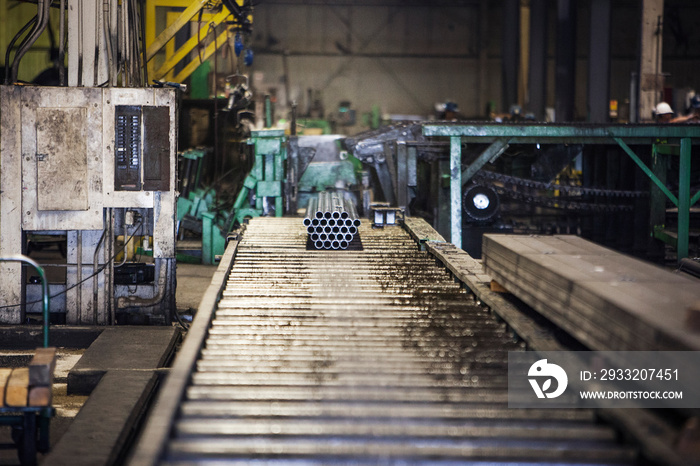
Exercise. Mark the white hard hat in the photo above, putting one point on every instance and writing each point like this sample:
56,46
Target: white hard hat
662,108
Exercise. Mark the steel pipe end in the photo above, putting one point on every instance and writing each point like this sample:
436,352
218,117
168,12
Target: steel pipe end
314,237
318,244
352,230
357,222
344,215
327,244
335,245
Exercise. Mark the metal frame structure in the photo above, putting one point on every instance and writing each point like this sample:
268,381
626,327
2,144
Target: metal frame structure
156,43
500,136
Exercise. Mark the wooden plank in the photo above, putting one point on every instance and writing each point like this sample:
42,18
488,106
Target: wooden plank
40,396
4,376
42,366
17,388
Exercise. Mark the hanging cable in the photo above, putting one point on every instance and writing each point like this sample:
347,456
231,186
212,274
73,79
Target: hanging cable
212,28
144,63
26,40
43,7
106,20
75,285
29,24
199,39
62,44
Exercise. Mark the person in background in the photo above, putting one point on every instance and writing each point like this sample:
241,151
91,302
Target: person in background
663,113
693,115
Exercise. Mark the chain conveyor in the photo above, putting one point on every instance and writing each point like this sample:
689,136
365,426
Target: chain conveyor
367,356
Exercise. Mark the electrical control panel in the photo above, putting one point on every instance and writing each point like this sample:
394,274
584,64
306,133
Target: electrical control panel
127,148
141,146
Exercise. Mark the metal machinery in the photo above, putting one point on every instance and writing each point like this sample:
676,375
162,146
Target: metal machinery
96,167
460,175
92,166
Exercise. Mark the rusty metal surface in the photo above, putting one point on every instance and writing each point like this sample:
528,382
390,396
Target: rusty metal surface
361,357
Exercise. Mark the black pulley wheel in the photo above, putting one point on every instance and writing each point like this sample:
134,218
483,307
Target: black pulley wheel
480,203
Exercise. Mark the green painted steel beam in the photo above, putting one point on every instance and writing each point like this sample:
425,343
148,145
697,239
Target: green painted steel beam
684,200
489,155
660,233
540,132
648,171
267,133
695,198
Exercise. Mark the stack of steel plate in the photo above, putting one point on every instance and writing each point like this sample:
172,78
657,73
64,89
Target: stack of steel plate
331,221
606,300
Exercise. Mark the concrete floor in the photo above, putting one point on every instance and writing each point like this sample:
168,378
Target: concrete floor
192,282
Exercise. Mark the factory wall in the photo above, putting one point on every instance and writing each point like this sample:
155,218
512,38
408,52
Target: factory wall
408,58
404,58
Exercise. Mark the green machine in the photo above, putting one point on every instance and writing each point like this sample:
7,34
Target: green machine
261,193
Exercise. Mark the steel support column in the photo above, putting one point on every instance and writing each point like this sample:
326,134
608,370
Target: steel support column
537,72
510,52
456,190
565,85
599,62
651,82
684,199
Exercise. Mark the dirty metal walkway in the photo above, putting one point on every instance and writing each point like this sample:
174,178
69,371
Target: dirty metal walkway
372,356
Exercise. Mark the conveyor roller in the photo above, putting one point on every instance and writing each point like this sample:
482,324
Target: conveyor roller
374,356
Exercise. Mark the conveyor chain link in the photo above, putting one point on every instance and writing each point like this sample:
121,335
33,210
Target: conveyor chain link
530,192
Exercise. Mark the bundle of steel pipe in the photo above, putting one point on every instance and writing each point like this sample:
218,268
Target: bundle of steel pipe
331,221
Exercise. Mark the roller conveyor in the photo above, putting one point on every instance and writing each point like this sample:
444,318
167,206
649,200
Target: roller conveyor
371,356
